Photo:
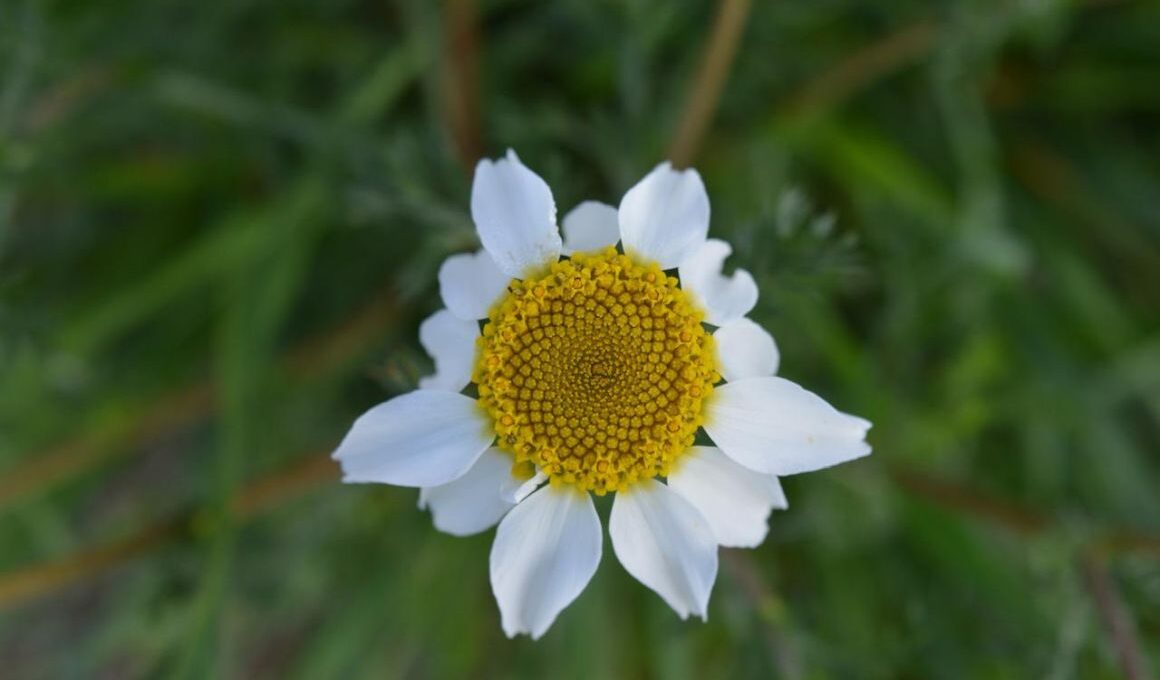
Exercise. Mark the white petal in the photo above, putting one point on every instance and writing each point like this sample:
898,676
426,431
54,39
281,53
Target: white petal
663,541
592,225
471,503
545,552
734,500
665,217
515,490
515,214
451,343
745,350
772,425
470,283
422,438
724,298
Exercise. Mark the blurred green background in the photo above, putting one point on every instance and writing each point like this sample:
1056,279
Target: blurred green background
220,224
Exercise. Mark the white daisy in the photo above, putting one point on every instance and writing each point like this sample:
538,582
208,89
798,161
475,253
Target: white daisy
594,373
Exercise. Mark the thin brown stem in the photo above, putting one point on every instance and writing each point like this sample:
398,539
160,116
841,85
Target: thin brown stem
460,80
269,492
310,472
864,67
26,584
29,583
44,469
951,495
1115,616
1014,517
185,407
710,81
68,96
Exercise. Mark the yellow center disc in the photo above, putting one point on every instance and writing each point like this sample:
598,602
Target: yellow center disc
596,371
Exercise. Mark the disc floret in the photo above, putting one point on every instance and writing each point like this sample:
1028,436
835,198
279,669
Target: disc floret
596,371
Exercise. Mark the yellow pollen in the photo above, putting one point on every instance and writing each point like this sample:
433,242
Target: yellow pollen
596,371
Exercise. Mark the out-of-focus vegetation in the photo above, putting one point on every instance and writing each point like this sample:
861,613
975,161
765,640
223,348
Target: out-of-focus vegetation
220,225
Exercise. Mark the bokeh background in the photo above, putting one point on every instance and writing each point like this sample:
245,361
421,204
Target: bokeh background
220,224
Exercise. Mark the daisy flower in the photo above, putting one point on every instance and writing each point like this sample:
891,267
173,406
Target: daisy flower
566,367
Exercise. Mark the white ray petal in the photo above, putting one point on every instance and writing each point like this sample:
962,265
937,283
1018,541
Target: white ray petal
515,215
470,283
515,490
774,426
450,341
472,503
724,298
745,350
422,438
665,217
734,500
590,226
545,552
667,545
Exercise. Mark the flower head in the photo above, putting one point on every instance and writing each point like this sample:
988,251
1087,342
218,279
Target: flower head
594,372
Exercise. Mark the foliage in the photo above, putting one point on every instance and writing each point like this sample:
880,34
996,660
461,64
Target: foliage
220,225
